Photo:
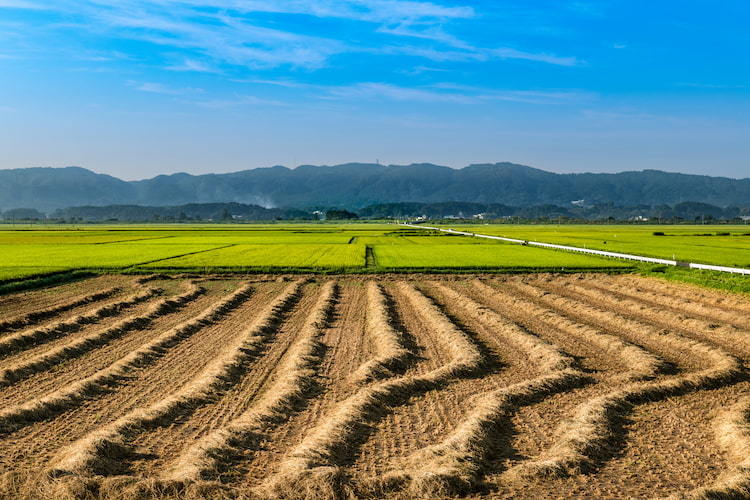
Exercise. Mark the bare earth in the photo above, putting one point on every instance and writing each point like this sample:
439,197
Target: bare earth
418,386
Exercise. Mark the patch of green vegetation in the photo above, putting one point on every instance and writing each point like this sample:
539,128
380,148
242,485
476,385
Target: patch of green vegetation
365,248
710,279
271,256
19,273
484,257
726,246
47,258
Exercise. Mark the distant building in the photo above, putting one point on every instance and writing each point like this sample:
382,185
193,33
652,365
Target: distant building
578,203
478,216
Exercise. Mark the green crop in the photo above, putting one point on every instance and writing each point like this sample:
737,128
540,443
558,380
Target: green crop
331,247
298,256
704,244
485,257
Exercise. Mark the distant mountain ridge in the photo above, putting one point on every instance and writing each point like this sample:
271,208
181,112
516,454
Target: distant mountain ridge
356,185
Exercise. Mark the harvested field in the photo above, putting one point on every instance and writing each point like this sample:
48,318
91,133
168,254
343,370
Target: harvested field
375,386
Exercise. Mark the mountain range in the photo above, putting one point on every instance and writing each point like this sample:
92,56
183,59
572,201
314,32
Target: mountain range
356,185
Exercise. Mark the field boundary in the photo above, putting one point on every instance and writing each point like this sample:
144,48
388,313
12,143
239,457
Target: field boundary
601,253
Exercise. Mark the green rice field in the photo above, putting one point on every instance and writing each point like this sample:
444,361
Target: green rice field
331,248
719,245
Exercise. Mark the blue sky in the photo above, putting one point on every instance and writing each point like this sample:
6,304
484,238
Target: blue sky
135,88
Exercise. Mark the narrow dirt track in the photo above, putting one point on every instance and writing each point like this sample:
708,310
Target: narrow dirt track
546,386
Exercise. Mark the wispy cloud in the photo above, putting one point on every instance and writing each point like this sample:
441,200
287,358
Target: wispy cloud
393,92
192,65
227,32
239,101
160,88
379,11
451,93
508,53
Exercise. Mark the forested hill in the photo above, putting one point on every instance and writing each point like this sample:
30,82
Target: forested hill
356,185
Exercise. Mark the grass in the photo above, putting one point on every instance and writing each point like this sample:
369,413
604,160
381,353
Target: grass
708,279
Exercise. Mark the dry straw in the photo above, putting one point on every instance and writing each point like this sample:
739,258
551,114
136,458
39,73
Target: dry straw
35,317
641,364
587,434
455,465
391,354
37,409
27,338
296,372
732,430
101,451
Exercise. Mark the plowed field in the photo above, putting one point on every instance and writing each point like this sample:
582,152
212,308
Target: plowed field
418,386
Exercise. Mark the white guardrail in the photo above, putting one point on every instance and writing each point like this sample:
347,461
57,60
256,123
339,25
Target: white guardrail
616,255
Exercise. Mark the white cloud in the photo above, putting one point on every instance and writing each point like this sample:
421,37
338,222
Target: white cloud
243,100
221,32
160,88
452,93
192,65
508,53
393,92
378,11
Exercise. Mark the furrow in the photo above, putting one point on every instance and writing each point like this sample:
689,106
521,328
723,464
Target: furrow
429,410
22,340
72,370
465,355
584,438
640,363
610,361
207,457
391,354
77,347
739,319
103,380
455,465
732,429
36,317
729,337
724,300
19,304
163,448
312,469
313,465
672,347
104,450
